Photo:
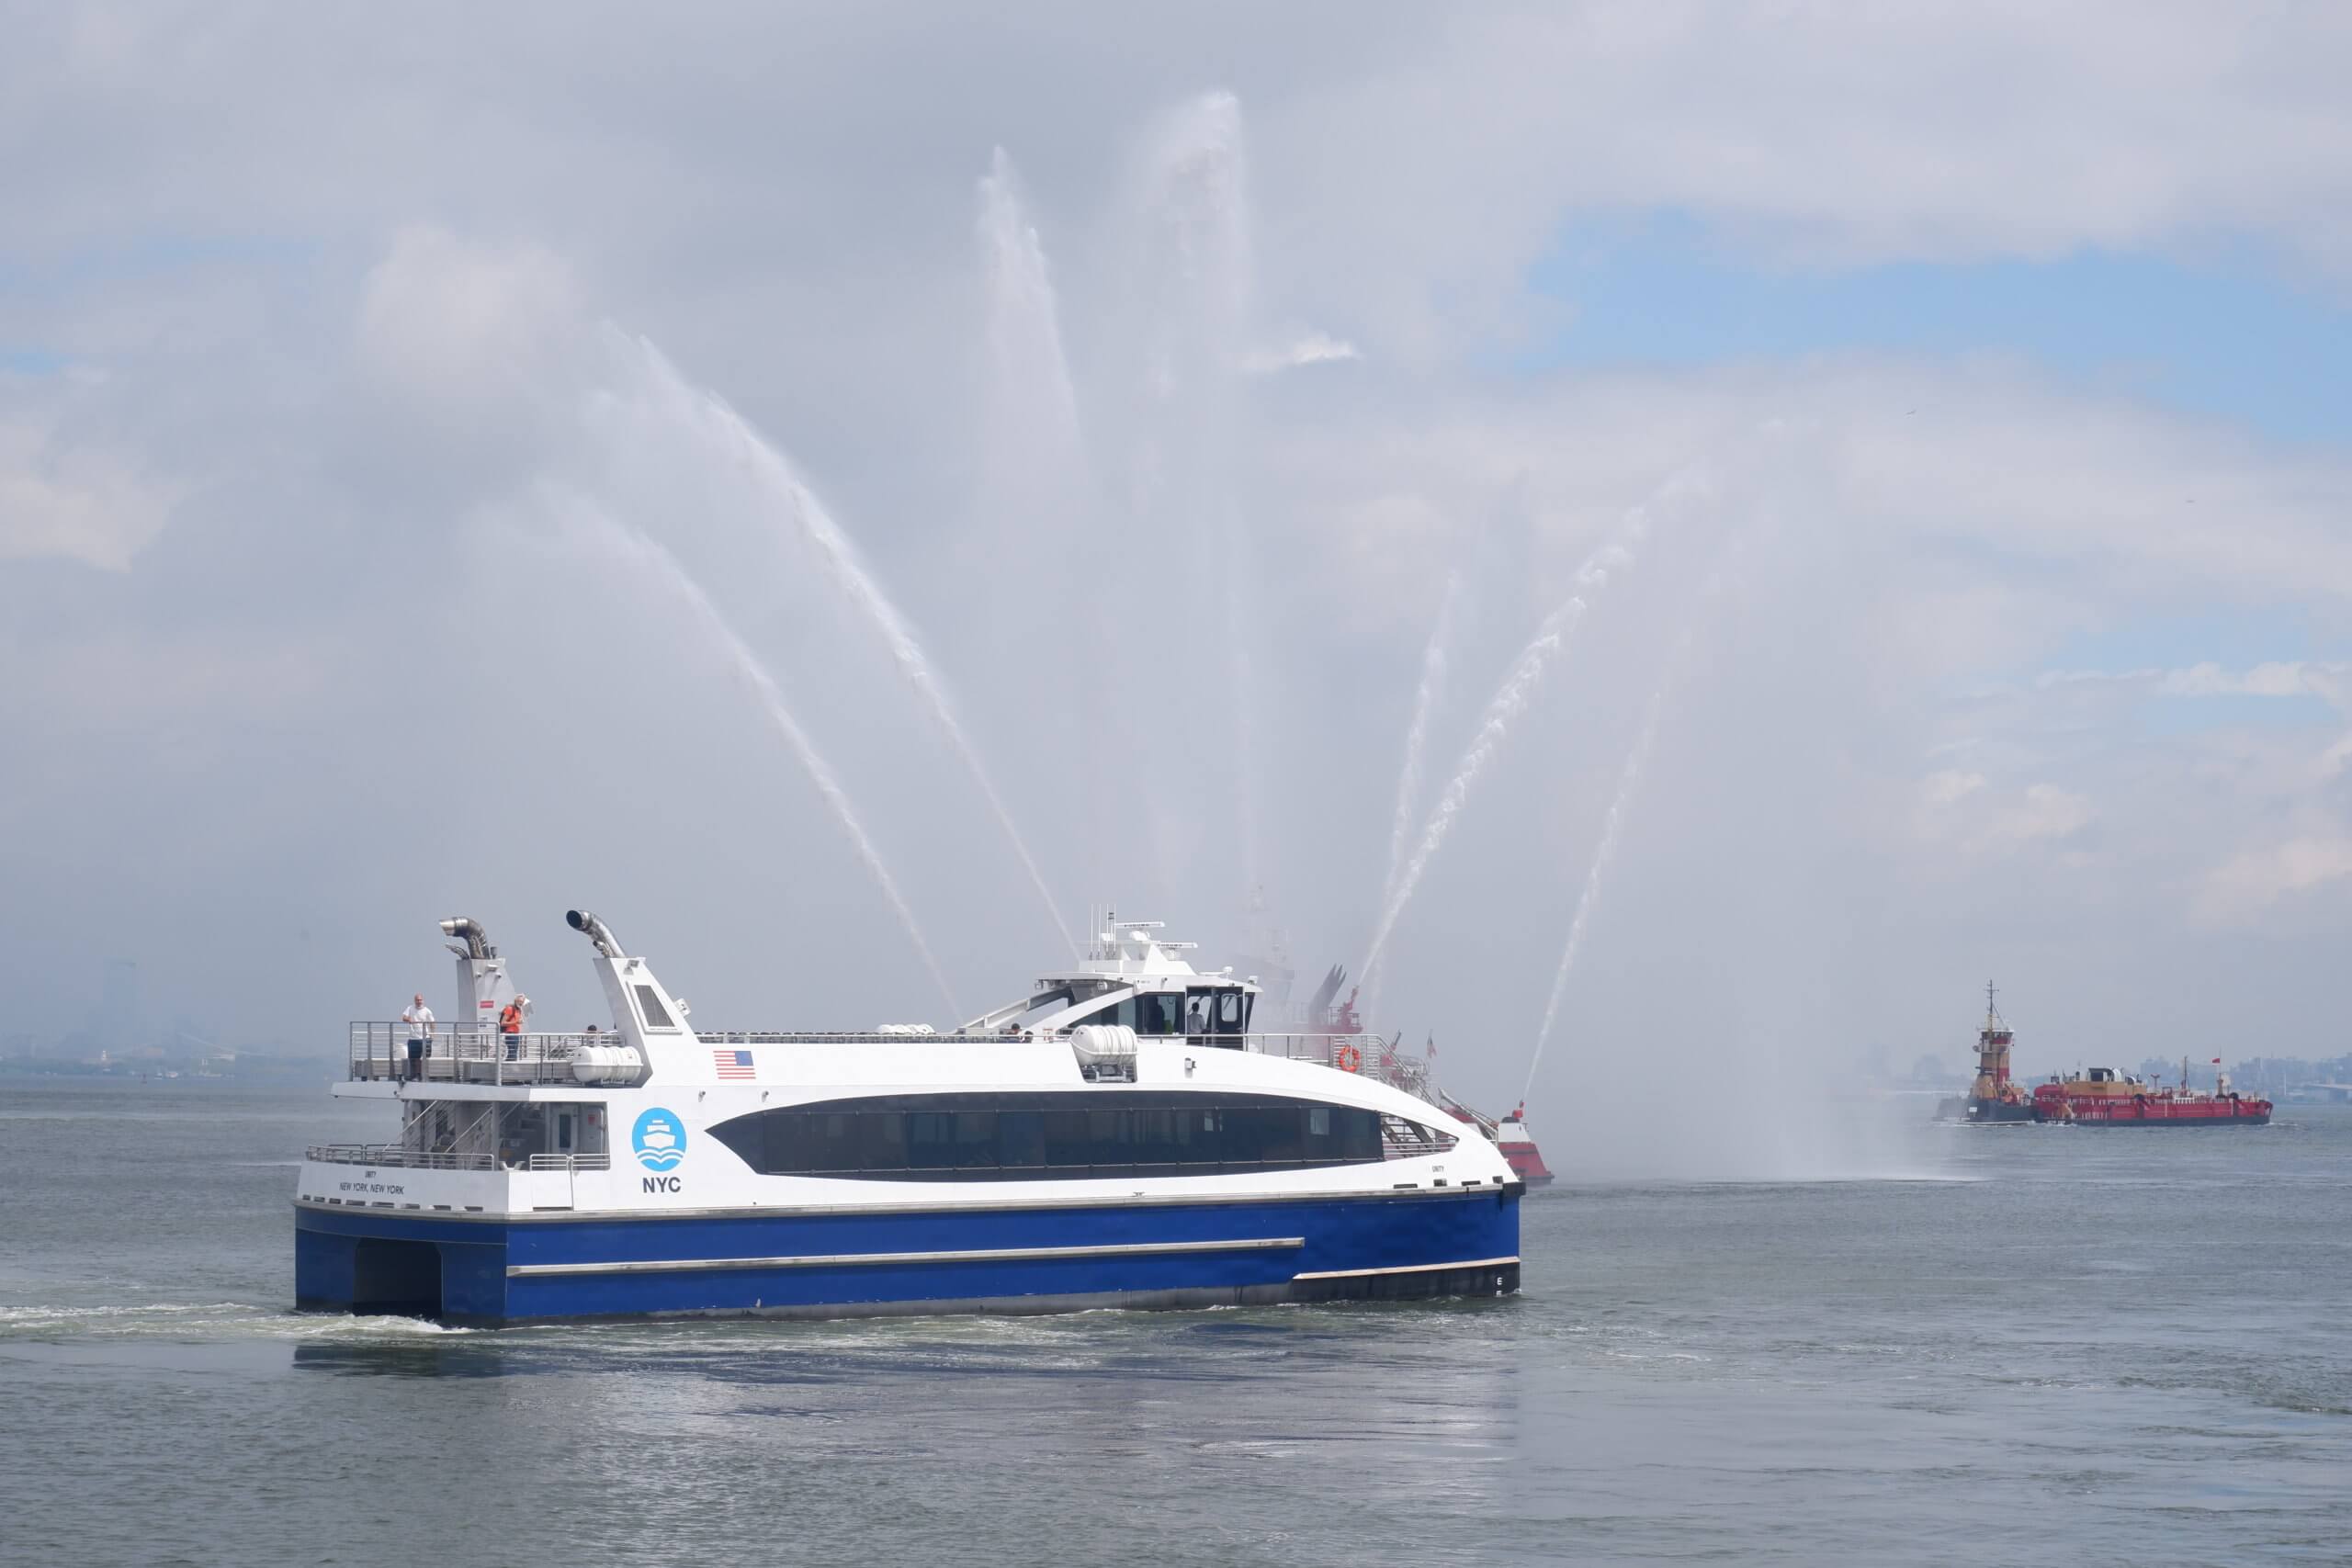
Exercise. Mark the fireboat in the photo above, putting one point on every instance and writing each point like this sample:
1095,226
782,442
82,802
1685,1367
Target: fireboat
1351,1049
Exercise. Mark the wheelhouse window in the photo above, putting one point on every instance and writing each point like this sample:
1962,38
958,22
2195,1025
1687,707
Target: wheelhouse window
1066,1136
1217,1011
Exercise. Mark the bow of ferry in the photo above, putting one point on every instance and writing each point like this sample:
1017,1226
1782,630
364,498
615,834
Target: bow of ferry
1117,1137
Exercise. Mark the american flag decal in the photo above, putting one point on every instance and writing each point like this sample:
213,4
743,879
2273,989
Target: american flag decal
732,1064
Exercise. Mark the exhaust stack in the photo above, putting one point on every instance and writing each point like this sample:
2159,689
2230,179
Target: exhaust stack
483,985
595,930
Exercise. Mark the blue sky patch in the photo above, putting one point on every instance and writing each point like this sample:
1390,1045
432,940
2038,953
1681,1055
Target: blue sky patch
2232,337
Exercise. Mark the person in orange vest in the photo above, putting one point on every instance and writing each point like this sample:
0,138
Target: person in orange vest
510,1023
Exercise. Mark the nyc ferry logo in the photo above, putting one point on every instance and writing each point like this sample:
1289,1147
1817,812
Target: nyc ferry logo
660,1139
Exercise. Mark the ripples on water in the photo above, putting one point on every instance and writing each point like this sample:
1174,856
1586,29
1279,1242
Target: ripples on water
2097,1346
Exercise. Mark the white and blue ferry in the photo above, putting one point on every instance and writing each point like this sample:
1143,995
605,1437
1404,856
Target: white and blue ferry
1118,1137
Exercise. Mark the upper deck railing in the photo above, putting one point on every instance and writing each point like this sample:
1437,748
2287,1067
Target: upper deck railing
379,1050
396,1157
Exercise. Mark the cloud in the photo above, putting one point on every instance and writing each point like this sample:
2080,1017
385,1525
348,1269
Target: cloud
2252,881
1948,787
1815,136
2273,678
457,323
1309,348
2046,811
75,500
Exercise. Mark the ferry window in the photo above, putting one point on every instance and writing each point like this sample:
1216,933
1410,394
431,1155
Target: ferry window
1196,1012
649,1005
1021,1137
1003,1136
1160,1013
1229,1018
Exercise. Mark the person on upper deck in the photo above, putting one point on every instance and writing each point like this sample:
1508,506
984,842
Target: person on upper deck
419,1018
510,1023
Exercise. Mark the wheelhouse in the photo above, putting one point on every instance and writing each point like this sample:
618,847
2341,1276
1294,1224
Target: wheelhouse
1132,977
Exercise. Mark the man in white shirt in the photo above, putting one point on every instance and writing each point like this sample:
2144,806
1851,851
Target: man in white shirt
419,1018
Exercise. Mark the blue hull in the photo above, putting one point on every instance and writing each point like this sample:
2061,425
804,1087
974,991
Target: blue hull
834,1264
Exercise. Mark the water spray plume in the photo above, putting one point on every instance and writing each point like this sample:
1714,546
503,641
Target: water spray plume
712,414
1517,690
635,546
1024,334
1196,264
1612,828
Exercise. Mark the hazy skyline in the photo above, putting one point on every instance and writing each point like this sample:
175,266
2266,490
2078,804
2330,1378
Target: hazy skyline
1163,374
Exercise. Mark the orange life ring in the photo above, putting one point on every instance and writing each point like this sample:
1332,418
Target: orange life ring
1348,1059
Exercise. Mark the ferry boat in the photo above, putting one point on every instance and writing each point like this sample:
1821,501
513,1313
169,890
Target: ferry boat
1119,1136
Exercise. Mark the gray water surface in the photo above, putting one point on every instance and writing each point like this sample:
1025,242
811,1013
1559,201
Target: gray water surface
2089,1347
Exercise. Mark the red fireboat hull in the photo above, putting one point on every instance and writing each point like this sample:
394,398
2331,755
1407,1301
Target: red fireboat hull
1527,1164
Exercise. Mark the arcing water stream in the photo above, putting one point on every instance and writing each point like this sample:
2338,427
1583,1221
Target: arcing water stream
1612,828
712,418
1513,697
632,545
1416,734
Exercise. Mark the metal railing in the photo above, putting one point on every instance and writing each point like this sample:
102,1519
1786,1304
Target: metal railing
828,1037
379,1050
1401,1139
393,1157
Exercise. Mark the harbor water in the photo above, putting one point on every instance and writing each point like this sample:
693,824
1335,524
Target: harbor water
2069,1346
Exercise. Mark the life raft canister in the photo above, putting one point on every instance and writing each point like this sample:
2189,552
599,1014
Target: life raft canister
1348,1059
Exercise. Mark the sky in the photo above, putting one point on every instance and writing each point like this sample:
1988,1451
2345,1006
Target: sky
447,456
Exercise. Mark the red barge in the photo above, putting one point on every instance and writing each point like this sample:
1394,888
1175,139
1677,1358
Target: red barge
2100,1097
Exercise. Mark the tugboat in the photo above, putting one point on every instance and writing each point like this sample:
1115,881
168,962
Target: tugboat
1118,1137
1995,1097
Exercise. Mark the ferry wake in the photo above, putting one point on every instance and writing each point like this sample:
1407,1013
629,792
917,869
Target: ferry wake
1117,1137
